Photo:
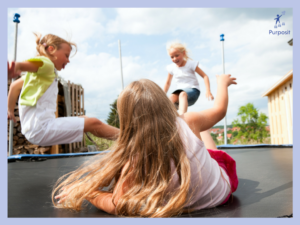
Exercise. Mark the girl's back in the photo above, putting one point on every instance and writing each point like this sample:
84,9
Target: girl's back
209,185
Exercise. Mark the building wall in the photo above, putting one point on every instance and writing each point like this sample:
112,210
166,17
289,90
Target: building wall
280,104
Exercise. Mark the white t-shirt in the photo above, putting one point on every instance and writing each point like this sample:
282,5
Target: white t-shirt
184,76
208,187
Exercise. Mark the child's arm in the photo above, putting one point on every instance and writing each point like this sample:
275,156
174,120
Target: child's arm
208,94
14,69
14,91
168,83
16,86
104,202
11,73
201,121
28,66
104,199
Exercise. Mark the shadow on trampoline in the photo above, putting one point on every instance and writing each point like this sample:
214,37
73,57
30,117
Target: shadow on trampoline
248,192
251,194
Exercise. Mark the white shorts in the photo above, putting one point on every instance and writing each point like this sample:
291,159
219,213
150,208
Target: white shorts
57,131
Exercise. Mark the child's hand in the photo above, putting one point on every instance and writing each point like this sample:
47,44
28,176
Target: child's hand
209,96
11,116
11,73
226,79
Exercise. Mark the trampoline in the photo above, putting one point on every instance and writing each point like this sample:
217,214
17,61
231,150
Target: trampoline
265,184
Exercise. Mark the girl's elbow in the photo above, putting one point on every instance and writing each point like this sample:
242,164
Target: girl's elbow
114,211
221,112
110,210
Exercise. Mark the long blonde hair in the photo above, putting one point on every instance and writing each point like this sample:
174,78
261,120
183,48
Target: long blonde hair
50,40
149,140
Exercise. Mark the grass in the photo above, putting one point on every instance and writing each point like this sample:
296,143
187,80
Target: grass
102,144
266,140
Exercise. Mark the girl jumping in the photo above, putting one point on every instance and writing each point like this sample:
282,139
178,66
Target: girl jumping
183,70
159,166
37,101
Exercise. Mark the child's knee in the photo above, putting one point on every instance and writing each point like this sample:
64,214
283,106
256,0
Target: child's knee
173,98
183,95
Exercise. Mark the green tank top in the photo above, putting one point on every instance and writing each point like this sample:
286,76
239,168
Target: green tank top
36,83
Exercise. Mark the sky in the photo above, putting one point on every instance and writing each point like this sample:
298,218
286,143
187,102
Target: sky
256,57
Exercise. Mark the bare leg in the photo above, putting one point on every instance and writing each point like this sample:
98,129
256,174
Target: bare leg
183,103
173,98
207,139
100,129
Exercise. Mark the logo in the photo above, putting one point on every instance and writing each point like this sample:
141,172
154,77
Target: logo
277,20
278,24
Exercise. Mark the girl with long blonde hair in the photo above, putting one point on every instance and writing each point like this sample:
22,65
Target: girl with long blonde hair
158,167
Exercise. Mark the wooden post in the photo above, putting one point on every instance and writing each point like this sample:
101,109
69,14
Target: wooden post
76,106
274,120
271,119
83,113
79,108
70,145
73,106
54,148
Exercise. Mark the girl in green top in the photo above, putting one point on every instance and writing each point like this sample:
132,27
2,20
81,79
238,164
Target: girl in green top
37,101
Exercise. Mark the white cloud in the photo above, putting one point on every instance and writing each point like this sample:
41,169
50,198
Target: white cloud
100,76
78,25
152,21
256,58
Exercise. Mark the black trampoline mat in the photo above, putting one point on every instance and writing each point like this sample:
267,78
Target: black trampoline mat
265,186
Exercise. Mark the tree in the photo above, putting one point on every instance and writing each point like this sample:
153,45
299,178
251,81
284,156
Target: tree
234,133
113,117
214,137
252,124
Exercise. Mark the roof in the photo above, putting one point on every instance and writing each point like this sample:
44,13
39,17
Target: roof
214,130
278,83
